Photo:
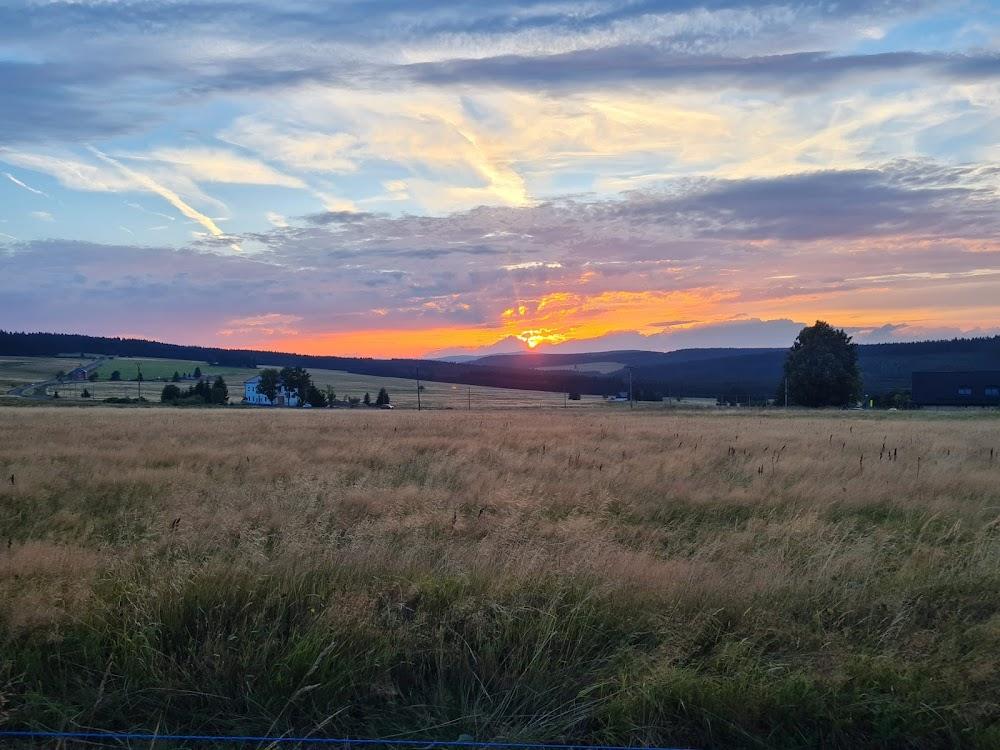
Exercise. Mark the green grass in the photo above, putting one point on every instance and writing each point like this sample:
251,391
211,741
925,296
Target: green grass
163,369
17,371
430,655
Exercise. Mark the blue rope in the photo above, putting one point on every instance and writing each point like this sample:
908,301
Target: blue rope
312,740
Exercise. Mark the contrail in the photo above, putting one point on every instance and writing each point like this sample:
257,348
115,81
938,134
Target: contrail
16,181
8,236
168,195
147,211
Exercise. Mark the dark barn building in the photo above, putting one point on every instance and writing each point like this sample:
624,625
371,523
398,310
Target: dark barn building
956,388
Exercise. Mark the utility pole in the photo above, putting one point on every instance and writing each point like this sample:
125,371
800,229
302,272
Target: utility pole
470,398
631,400
138,370
786,393
418,387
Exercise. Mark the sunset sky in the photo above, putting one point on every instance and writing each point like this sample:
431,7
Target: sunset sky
419,178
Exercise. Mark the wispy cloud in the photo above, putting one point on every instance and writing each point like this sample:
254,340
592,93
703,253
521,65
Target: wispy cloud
17,182
643,173
143,181
271,324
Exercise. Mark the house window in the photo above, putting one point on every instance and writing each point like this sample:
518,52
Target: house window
964,391
992,391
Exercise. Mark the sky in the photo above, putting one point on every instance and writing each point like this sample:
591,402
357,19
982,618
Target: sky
409,179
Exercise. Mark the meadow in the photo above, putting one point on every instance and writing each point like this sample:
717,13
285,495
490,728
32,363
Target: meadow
17,371
403,392
163,369
678,578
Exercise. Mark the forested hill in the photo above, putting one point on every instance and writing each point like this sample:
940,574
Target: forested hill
757,372
51,344
687,372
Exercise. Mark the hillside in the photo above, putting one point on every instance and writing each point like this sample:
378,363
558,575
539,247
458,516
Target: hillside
50,344
688,372
757,372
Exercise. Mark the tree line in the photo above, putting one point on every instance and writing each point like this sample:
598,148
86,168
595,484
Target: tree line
198,394
298,382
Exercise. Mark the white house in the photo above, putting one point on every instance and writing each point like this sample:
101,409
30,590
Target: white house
283,398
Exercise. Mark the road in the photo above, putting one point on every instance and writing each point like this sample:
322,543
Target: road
28,391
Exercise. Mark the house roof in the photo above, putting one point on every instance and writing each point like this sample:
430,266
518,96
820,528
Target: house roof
252,380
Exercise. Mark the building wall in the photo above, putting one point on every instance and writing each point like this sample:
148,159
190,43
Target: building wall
956,388
251,396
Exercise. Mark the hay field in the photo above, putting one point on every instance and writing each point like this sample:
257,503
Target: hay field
403,393
732,579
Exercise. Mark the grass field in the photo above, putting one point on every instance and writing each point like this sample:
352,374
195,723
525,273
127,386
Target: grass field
715,580
403,393
163,369
599,367
16,371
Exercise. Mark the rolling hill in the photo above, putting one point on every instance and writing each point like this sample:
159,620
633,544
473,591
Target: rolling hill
686,372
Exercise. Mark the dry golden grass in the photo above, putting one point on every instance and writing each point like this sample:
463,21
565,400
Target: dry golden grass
741,507
780,549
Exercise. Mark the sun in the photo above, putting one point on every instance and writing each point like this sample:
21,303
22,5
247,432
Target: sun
534,337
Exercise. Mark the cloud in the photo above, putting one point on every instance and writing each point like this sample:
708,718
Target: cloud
270,324
336,217
589,167
70,172
216,165
17,182
797,73
143,181
42,215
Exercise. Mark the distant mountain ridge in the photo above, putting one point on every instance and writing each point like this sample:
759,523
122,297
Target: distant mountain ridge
758,372
685,372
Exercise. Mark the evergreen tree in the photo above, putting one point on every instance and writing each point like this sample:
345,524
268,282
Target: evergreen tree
822,368
315,397
382,398
197,372
170,392
176,378
85,394
201,390
367,400
219,393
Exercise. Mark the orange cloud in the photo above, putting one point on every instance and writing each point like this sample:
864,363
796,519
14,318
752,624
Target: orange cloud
386,342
